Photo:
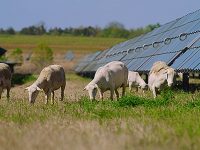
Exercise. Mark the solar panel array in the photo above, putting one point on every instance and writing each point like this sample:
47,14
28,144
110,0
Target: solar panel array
177,43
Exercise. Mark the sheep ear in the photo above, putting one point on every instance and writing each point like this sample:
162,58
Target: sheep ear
39,89
84,89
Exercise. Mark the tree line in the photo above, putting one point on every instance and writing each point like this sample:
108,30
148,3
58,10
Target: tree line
113,29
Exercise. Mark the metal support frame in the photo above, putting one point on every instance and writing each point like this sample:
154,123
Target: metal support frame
186,82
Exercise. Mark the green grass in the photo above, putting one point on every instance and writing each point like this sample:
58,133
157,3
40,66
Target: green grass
58,42
182,116
173,115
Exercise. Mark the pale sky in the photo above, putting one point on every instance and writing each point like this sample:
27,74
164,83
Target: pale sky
75,13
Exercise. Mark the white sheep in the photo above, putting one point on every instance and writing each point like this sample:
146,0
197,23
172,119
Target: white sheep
50,79
159,74
134,79
109,77
5,79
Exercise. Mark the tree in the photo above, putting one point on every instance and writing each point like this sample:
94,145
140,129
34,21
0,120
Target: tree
10,31
55,31
34,30
115,29
151,27
2,31
115,24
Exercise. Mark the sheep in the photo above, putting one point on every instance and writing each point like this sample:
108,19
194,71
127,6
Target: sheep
50,79
159,73
5,79
135,79
109,77
157,66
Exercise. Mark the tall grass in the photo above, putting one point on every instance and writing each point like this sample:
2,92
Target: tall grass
180,115
160,120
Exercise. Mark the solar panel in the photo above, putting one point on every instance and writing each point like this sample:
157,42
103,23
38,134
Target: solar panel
172,43
86,61
69,56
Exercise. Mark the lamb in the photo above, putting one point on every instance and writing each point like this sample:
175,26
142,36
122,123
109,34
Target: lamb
159,73
5,79
109,77
135,79
50,79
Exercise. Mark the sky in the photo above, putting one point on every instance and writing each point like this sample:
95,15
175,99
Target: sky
76,13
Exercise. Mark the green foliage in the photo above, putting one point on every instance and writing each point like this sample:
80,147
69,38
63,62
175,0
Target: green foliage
22,78
9,31
167,93
3,58
34,30
131,101
113,29
16,55
42,55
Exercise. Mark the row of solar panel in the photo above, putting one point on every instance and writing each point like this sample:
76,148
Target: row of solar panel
140,53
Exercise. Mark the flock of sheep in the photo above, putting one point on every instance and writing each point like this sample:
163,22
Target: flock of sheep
108,77
115,74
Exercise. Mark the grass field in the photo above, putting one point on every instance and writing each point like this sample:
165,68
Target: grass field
136,121
57,43
169,122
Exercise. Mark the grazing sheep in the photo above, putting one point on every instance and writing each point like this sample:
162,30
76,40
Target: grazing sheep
109,77
159,73
50,79
5,79
134,79
157,66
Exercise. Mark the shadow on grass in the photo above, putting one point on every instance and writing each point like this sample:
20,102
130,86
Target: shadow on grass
22,78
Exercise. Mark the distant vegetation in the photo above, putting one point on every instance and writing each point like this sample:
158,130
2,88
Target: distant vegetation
113,29
42,56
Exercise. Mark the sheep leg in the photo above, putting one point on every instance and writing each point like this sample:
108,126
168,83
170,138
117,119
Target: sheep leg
117,93
136,89
8,93
52,98
48,95
154,92
143,91
1,90
100,94
130,86
62,92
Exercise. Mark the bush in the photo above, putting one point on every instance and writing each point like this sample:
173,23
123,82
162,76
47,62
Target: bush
42,56
3,58
16,55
